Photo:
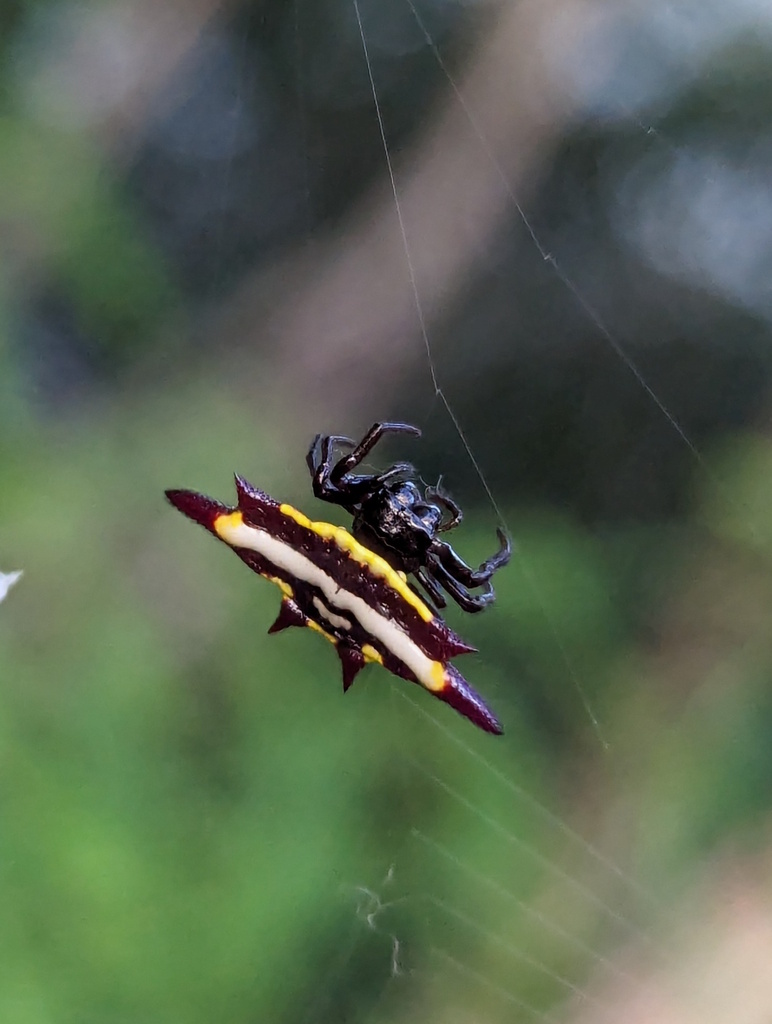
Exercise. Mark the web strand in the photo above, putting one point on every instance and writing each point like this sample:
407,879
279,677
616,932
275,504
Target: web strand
371,907
518,954
545,923
554,821
234,112
460,968
565,280
589,310
302,113
576,682
547,816
534,855
583,891
412,274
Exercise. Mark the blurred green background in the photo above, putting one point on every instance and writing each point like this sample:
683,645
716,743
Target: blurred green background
202,267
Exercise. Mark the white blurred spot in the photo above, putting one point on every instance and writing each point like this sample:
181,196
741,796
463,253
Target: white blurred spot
641,55
7,580
705,217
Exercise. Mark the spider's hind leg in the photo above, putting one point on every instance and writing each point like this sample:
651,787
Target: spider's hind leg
464,599
431,588
465,574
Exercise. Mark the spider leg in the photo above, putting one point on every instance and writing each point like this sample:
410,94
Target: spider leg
441,498
320,460
365,446
431,588
333,481
352,490
320,451
464,573
460,594
398,469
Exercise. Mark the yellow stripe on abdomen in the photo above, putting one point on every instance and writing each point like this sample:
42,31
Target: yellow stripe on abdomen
232,529
375,563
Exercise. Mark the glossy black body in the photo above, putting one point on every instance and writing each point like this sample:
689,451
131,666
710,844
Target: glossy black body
393,517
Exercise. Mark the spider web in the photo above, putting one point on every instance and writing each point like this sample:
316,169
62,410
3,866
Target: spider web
610,909
516,910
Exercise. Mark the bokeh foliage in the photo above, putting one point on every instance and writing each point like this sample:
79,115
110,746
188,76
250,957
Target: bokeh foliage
194,823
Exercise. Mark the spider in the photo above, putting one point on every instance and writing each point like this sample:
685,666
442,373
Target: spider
393,518
337,587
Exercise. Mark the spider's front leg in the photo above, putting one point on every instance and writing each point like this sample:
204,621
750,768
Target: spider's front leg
344,466
320,464
439,497
333,480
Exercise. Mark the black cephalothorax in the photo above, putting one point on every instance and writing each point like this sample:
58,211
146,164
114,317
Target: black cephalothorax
394,518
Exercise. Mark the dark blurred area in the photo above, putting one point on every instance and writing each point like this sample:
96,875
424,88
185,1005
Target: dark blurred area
265,133
558,265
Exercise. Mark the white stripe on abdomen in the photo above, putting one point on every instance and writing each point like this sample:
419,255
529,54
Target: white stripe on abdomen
235,532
